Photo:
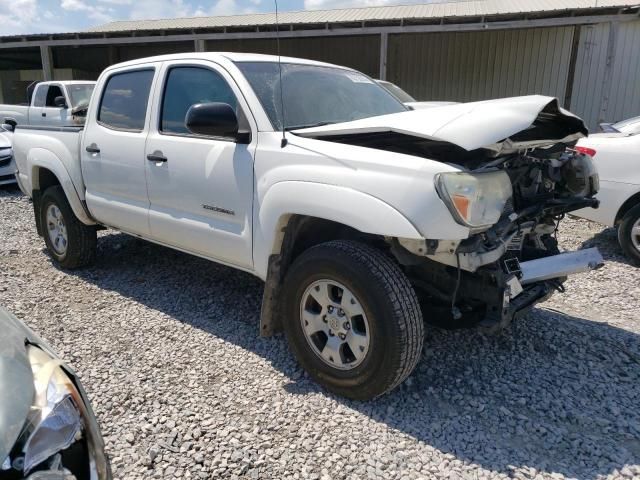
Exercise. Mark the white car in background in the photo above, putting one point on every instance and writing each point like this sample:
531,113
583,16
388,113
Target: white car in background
629,126
617,157
7,165
407,99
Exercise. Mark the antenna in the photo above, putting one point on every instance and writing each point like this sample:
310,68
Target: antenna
283,142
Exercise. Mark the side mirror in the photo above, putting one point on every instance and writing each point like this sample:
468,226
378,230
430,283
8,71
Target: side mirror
213,120
7,127
60,102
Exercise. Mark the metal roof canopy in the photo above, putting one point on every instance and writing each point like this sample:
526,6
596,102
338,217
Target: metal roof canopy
468,15
475,8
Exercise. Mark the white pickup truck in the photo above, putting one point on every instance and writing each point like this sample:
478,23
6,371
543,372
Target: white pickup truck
364,219
58,103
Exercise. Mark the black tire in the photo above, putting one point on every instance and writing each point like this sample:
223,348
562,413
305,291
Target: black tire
82,239
389,302
625,234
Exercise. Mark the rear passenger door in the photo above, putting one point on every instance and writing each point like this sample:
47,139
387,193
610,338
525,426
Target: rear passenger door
113,162
201,192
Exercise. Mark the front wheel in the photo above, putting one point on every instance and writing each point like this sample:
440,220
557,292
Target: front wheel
70,242
352,319
629,234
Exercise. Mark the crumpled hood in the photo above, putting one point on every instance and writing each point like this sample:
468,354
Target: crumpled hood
79,108
502,126
16,381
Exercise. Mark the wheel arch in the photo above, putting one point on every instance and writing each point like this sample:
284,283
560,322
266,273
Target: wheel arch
322,213
345,206
46,170
631,202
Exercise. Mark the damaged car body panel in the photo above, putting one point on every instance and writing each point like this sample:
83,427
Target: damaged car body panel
47,427
518,149
16,395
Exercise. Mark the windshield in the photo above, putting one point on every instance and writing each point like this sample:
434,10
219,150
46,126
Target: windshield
80,93
630,126
316,95
397,92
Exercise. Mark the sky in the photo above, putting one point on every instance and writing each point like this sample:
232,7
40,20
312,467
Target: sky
57,16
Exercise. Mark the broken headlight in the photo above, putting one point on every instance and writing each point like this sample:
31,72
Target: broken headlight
54,421
475,200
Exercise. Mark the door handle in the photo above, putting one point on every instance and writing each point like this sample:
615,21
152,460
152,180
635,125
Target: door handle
44,114
93,148
156,157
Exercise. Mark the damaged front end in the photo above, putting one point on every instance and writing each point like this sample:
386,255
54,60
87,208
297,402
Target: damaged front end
517,176
511,260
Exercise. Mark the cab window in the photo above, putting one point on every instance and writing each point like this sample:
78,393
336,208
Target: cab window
124,100
40,95
187,86
54,91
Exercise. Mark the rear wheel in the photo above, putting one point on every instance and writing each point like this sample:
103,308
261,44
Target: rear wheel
70,242
629,234
352,319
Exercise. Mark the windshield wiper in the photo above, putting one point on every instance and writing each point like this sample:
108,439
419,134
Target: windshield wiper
310,125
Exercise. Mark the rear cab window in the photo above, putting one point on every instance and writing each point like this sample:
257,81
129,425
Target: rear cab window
123,105
40,95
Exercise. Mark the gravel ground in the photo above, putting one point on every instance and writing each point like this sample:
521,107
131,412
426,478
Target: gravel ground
167,347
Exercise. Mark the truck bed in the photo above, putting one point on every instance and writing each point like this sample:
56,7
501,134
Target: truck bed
46,145
19,113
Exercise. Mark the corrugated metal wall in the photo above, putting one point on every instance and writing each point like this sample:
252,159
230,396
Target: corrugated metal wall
600,63
591,64
606,84
361,52
624,100
468,66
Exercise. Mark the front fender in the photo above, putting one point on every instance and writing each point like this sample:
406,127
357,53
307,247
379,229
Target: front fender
355,209
38,158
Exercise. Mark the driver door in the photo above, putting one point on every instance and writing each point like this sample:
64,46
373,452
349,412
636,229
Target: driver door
52,114
200,188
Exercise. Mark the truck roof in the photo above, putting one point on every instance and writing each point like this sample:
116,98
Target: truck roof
67,82
223,57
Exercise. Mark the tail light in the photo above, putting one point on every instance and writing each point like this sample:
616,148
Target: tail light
586,151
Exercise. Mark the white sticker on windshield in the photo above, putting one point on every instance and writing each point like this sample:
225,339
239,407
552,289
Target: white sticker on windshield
357,77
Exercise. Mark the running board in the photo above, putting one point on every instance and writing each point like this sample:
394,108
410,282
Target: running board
561,265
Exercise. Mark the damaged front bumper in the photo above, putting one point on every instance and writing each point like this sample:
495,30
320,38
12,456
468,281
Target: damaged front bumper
493,294
561,265
534,281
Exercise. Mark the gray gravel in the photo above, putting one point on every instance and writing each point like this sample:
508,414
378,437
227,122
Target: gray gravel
167,347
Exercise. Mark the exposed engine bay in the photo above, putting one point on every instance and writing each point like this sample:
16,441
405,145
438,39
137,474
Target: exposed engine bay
481,279
546,185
